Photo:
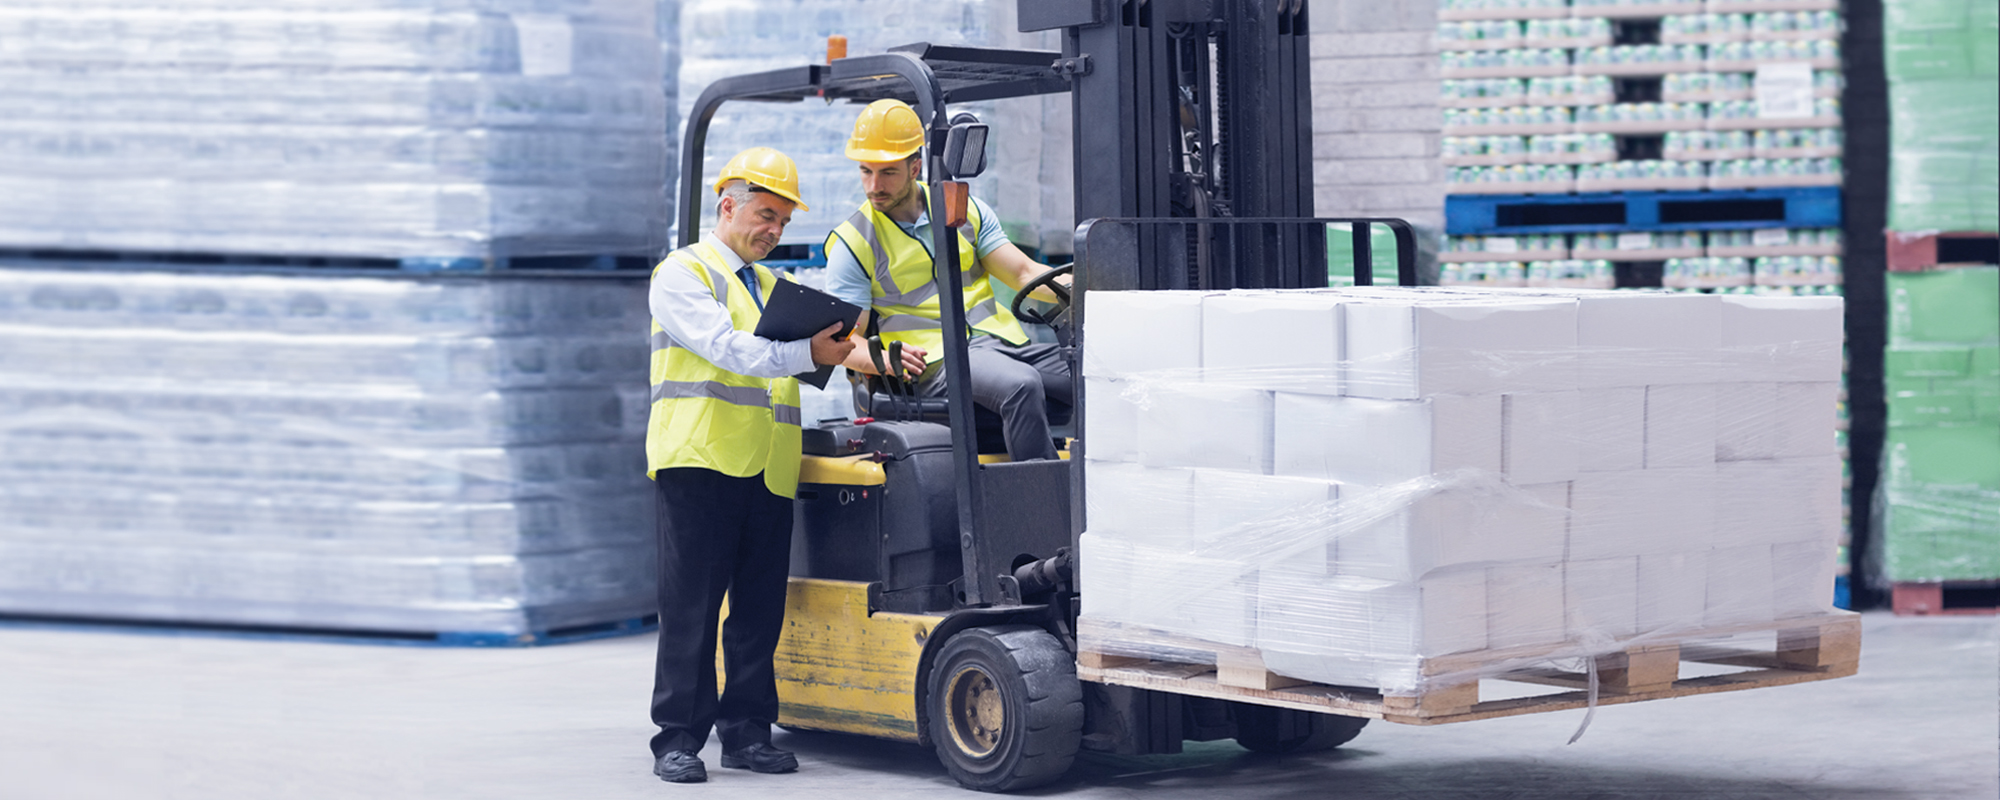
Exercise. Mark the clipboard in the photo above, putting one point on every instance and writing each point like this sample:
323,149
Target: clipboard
795,311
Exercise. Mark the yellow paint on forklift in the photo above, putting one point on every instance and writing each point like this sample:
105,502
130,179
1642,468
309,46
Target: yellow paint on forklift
840,669
861,470
1003,458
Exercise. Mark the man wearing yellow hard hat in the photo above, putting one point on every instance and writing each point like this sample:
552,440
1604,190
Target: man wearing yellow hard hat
722,448
880,259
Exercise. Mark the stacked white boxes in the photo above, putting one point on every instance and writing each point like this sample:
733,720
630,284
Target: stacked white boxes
393,454
401,129
1355,481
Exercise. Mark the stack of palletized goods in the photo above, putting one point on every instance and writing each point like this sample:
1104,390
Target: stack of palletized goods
1354,482
1938,501
469,129
1943,62
727,38
390,454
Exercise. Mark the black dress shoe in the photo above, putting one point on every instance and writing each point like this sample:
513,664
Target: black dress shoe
760,757
680,766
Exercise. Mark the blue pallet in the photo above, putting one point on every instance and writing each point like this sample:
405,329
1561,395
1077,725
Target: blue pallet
1843,593
578,633
1508,214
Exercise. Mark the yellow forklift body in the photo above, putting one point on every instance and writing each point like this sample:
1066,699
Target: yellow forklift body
841,669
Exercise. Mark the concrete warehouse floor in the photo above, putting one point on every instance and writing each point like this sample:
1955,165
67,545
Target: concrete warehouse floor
91,714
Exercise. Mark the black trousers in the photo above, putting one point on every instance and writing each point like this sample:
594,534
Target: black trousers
1013,382
718,534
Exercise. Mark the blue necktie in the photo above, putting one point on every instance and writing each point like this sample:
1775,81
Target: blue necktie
749,276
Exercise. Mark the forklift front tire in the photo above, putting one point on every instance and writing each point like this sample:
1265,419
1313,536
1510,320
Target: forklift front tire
1006,710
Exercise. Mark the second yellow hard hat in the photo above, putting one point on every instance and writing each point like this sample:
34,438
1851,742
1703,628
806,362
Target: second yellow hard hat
766,168
888,130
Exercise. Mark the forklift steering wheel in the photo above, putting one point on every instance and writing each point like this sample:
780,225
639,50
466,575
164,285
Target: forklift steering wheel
1062,297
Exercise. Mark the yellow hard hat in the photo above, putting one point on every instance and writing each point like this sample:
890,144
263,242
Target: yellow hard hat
767,168
888,130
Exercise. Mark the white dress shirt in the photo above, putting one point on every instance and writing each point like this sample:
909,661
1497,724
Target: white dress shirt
696,320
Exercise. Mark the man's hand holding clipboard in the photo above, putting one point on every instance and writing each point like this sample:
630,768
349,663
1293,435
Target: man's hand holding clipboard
795,312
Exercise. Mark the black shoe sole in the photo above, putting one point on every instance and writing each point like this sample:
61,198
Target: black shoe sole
692,774
790,764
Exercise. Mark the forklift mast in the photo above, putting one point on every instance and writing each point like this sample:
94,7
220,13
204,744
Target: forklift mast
1193,154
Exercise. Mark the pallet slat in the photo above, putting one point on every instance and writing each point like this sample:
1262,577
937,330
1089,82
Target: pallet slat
1806,649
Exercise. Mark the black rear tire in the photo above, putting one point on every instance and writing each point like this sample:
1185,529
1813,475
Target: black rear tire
1005,708
1263,729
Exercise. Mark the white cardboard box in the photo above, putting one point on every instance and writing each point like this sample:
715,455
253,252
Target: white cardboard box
1759,421
1359,440
1602,599
1273,340
1739,585
1539,443
1802,579
1134,503
1524,605
1364,632
1647,512
1132,332
1205,425
1673,591
1134,584
1399,349
1426,531
1610,429
1110,421
1681,425
1779,501
1781,338
1629,338
1290,515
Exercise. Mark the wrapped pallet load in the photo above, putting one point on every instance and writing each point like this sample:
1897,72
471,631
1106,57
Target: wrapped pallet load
1408,489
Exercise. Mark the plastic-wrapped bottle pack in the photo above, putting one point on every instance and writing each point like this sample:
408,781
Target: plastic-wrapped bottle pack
724,38
396,453
378,128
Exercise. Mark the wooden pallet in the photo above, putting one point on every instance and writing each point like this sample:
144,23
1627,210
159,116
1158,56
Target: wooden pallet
1927,250
1945,599
1807,649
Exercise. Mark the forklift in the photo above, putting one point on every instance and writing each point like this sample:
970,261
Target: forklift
934,594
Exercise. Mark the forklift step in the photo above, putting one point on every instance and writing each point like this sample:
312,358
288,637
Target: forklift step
1789,651
1510,214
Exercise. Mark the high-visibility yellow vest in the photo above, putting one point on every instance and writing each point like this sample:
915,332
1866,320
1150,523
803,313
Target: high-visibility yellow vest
706,416
905,289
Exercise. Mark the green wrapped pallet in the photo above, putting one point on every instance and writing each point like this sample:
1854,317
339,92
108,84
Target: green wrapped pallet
1943,62
1958,307
1938,504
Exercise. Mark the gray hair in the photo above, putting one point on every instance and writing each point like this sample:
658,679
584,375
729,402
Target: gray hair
737,191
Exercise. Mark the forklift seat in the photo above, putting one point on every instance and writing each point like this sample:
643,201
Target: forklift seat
871,400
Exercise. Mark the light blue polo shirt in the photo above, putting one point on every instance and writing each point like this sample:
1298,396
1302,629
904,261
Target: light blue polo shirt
846,279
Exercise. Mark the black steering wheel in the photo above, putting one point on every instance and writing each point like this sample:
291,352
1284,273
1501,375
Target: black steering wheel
1062,297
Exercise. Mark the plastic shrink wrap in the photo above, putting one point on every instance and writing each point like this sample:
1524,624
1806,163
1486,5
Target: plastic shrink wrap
1942,58
1356,482
373,128
395,453
724,38
1938,499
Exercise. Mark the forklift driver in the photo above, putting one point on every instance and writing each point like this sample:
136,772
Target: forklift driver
884,263
722,448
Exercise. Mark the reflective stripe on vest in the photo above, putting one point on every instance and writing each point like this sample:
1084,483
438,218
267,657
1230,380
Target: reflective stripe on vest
905,293
705,416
